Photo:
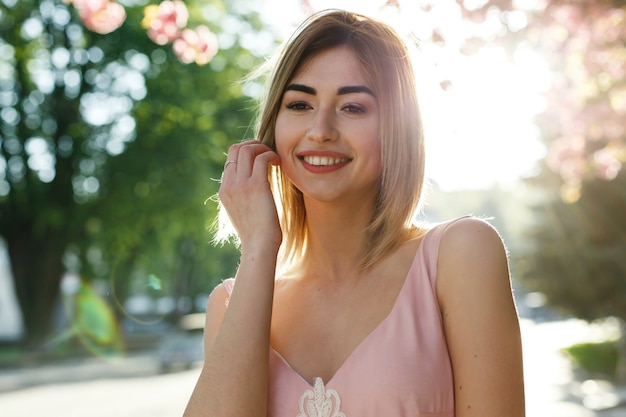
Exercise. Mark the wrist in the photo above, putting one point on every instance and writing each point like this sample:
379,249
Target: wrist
261,251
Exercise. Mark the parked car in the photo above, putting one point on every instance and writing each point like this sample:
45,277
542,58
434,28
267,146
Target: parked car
184,349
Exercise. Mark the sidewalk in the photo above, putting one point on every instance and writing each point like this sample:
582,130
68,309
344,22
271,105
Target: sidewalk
78,370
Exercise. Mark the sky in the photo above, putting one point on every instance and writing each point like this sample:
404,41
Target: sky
480,131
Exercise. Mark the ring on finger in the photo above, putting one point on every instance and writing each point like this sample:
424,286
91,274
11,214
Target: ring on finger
229,162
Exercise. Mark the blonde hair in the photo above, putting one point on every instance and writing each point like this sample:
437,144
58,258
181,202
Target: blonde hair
385,60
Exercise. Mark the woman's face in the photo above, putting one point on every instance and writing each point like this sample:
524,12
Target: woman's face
327,129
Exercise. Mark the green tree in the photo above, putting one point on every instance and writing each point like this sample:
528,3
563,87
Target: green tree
110,147
577,253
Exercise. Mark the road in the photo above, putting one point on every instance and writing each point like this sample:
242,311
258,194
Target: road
134,388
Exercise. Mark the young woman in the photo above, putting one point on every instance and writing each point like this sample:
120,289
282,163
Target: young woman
341,305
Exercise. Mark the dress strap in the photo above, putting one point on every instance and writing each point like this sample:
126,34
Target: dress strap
431,246
439,228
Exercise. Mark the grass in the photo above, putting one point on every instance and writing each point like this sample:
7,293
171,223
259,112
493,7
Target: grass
10,356
15,355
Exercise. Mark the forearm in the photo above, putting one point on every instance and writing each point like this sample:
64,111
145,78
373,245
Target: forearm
234,378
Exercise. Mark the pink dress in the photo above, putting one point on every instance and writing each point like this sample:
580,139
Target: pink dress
401,369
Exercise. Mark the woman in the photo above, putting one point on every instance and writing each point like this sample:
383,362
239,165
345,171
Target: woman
342,306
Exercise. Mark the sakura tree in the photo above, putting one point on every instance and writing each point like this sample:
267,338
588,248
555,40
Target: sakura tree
166,23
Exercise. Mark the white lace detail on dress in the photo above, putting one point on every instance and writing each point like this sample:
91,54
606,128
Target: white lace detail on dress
320,402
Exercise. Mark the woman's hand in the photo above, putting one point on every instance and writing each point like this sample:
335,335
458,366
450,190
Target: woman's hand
246,195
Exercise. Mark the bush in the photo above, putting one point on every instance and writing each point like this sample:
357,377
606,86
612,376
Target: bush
597,358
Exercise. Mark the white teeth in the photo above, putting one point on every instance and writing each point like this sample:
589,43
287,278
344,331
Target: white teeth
323,160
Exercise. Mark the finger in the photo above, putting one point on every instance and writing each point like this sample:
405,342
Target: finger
228,162
264,160
232,156
233,150
247,156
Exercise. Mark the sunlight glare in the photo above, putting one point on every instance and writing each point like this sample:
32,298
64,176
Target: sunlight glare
481,132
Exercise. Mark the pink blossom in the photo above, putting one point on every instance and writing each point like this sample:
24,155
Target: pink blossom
568,16
567,157
607,166
165,21
100,16
199,45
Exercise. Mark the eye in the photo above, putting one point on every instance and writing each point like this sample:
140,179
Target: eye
298,106
354,109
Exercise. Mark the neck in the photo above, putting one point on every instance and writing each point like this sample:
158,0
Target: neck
336,240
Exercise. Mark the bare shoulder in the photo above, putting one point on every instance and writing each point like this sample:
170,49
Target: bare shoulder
472,268
472,250
471,235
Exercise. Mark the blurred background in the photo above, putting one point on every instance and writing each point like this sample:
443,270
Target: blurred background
115,116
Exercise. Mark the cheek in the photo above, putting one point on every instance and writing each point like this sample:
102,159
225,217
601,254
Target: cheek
280,133
375,162
372,146
286,136
283,145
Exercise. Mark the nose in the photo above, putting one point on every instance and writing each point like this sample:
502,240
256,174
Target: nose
323,126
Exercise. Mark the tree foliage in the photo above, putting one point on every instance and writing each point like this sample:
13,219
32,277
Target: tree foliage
111,146
576,252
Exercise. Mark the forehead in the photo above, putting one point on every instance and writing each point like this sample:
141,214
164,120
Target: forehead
338,65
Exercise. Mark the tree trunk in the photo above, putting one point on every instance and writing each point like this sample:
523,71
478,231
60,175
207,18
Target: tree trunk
37,269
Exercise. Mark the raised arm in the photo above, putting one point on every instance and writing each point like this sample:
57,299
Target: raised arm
233,381
480,321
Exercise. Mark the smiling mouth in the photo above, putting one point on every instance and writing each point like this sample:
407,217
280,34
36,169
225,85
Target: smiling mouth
323,160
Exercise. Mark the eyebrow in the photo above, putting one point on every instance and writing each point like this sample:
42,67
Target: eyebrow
341,91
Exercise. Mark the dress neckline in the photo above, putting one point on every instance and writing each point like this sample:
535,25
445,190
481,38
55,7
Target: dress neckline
371,334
